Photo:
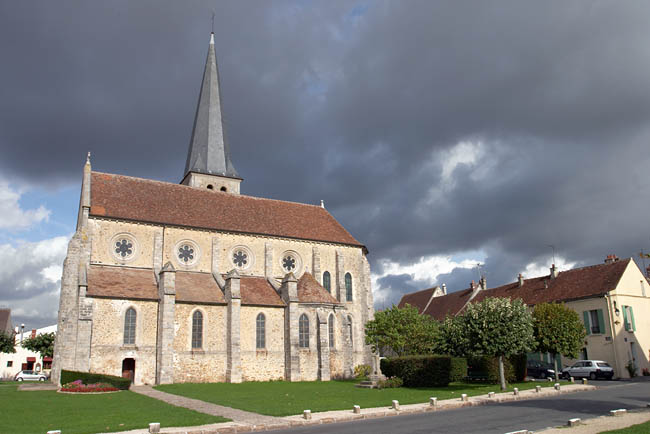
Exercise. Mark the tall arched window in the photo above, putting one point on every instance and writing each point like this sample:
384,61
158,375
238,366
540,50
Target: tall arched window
331,330
260,332
303,331
348,286
327,281
350,333
129,327
197,330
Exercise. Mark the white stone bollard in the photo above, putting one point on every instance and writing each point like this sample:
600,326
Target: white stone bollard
515,391
395,404
433,402
58,431
549,379
584,381
538,389
464,397
574,422
356,409
491,394
572,380
154,427
306,414
619,412
557,386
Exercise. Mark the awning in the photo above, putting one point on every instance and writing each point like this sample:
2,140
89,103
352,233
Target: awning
31,359
47,359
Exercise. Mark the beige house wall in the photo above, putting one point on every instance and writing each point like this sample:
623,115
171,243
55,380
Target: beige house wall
268,363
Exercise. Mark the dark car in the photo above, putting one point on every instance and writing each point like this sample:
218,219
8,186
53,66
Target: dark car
537,369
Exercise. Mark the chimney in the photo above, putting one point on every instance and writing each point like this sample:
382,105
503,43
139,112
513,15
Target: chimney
554,271
611,259
520,278
647,271
444,286
545,283
33,333
483,282
472,285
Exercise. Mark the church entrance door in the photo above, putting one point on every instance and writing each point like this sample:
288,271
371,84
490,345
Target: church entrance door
128,369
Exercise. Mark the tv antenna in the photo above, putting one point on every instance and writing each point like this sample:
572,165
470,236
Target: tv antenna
552,247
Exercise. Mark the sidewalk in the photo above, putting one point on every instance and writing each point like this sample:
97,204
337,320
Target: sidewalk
244,421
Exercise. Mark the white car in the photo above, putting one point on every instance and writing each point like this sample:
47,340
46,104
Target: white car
589,368
30,376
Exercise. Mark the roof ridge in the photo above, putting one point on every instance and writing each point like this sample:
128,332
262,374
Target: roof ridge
156,181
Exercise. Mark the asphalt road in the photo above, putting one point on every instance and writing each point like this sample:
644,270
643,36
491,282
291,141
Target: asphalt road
532,414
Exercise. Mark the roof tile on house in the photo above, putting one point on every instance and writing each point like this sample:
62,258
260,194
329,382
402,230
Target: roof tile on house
192,287
258,291
136,199
122,282
591,281
417,299
310,291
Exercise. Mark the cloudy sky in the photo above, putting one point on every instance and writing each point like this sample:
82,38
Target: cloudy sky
440,134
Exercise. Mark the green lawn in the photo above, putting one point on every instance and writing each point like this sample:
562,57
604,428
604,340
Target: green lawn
41,411
280,398
642,428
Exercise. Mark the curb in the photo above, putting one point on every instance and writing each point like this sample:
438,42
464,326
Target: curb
339,416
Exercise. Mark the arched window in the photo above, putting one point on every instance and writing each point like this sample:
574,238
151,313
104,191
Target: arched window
260,332
129,327
197,330
350,333
303,331
348,286
327,281
331,330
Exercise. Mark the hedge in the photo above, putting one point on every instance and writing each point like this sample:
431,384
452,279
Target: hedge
425,371
486,368
90,378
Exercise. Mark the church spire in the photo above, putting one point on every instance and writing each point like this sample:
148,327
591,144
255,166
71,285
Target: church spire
209,153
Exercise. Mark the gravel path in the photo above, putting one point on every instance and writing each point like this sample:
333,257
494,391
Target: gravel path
236,415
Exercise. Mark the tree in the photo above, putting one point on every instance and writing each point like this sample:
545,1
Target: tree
453,339
498,327
43,343
558,330
403,331
7,342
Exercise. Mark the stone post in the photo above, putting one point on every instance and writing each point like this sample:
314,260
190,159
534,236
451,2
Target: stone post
215,264
340,276
84,324
165,335
157,254
268,266
233,298
323,347
289,294
316,265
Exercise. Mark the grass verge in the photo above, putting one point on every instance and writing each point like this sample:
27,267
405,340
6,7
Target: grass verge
281,398
642,428
41,411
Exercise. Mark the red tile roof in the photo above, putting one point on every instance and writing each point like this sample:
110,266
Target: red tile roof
258,291
417,299
201,288
310,291
122,282
569,285
144,200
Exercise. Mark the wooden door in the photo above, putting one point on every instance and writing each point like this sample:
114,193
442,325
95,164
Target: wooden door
128,369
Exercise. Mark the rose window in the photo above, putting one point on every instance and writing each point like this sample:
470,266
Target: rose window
289,263
240,258
123,248
185,253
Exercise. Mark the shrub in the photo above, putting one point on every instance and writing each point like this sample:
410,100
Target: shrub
386,367
362,371
631,368
486,368
426,371
390,383
646,372
89,378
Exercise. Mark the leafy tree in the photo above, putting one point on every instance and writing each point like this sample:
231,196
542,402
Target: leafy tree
453,339
498,327
403,331
558,330
7,342
43,343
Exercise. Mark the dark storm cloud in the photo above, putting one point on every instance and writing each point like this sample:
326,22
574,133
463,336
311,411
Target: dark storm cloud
359,104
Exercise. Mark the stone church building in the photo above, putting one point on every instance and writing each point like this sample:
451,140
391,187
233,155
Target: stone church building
195,282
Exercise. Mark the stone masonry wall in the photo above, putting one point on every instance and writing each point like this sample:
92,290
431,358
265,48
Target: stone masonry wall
265,364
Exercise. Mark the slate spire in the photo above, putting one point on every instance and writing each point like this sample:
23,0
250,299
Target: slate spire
209,152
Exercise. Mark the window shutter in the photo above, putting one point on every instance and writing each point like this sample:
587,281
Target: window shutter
633,326
625,319
601,321
585,315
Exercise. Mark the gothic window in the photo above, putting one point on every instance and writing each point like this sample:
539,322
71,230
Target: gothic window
327,281
197,330
330,327
129,327
348,287
350,333
303,331
260,332
187,253
241,257
291,262
123,247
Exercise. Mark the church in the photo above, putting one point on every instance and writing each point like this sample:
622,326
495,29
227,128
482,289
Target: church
196,282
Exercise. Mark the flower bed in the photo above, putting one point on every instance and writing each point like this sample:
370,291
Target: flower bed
78,387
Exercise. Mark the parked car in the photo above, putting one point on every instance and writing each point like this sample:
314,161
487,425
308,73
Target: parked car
592,369
30,376
537,369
